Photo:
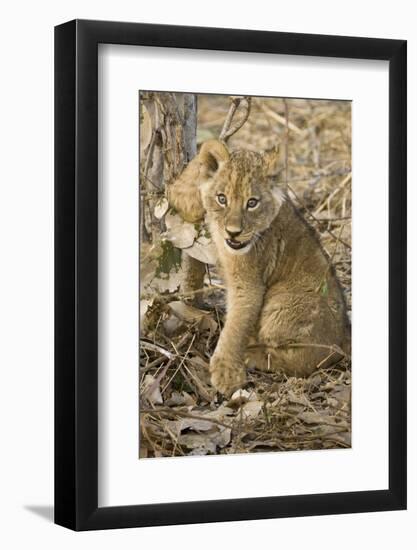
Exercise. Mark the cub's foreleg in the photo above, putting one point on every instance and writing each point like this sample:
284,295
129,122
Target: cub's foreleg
227,365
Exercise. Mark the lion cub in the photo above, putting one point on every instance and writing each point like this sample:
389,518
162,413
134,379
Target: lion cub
285,307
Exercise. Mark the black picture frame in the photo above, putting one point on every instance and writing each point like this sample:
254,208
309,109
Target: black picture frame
76,272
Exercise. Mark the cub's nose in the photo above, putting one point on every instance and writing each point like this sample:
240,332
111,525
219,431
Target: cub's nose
233,232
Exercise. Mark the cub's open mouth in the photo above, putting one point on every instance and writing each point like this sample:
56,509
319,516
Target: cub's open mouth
236,245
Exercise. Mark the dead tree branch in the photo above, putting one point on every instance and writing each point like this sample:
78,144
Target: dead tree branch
228,128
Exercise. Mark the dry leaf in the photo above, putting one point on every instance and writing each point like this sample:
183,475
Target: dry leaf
199,421
205,253
151,390
161,208
342,394
175,400
172,325
333,402
202,444
147,273
315,418
167,282
312,418
191,314
143,309
182,234
297,399
251,409
241,396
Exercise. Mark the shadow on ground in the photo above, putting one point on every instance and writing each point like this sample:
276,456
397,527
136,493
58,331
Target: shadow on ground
45,512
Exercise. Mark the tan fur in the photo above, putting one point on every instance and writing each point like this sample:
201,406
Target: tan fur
285,307
184,193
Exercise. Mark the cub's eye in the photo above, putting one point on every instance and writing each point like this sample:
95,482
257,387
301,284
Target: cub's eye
221,199
252,203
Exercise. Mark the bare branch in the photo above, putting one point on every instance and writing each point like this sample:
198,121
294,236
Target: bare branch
228,129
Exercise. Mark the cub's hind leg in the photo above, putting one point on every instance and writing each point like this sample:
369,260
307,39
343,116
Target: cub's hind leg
293,360
298,333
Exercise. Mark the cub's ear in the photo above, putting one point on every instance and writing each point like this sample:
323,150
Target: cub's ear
272,160
213,154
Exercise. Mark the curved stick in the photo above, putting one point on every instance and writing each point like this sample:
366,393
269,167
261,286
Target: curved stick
228,129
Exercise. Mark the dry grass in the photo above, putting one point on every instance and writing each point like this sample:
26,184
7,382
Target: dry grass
180,413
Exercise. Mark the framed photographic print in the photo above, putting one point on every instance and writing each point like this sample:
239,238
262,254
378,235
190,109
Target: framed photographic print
230,275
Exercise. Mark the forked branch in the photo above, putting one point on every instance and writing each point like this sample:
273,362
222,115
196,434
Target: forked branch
244,102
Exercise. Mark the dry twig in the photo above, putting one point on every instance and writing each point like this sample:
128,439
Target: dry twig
228,129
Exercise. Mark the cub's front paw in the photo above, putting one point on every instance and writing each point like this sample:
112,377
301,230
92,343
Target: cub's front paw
227,375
